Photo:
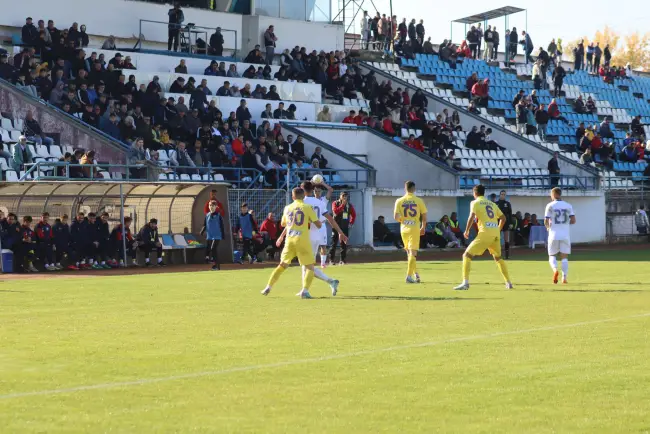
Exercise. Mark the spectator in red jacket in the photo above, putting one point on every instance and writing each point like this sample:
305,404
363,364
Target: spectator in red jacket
360,118
45,240
344,216
414,143
480,93
270,229
213,197
554,112
238,147
349,119
387,125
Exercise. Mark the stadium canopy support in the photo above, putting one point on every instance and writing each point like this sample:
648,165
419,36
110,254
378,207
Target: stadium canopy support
484,17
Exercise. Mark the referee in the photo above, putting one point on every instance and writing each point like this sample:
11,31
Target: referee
506,209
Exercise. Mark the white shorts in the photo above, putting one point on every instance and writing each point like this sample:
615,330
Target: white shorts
318,238
559,246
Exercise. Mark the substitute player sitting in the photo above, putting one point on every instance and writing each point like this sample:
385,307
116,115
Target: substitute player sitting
558,218
297,218
411,212
490,221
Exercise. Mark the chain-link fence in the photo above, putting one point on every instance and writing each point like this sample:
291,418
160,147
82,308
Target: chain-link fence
263,202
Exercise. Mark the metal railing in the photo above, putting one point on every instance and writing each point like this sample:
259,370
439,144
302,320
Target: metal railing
184,29
239,177
531,182
49,171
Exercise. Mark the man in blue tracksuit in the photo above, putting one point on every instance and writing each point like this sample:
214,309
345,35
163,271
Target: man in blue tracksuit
247,226
214,231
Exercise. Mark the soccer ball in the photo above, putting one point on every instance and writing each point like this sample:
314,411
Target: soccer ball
318,179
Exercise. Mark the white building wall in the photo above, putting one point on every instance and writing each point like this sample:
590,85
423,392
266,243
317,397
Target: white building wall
394,165
121,18
590,210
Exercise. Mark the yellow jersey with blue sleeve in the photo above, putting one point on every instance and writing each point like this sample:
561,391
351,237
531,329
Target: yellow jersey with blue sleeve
409,209
296,218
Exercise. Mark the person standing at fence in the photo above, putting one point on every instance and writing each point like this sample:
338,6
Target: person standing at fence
344,216
213,230
176,18
641,220
365,31
269,44
554,170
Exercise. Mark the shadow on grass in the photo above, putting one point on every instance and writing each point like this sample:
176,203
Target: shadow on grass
400,297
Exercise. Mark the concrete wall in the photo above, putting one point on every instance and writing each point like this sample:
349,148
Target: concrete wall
589,210
393,163
68,131
121,18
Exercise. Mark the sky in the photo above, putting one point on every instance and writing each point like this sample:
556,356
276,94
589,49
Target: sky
547,19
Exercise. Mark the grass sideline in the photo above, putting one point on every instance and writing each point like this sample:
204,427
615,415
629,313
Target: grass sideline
205,352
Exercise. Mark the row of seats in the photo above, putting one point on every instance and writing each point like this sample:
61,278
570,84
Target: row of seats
630,167
476,164
491,155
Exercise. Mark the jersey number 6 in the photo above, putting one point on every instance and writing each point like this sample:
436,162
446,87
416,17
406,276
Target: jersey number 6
489,211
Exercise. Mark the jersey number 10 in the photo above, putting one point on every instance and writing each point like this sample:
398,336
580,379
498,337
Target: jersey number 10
298,218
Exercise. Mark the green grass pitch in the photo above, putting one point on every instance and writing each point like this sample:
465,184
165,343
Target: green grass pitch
206,353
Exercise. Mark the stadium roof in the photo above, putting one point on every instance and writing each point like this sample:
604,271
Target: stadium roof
489,15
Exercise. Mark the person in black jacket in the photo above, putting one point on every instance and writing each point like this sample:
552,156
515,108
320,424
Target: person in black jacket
78,240
103,236
117,245
472,40
514,43
61,232
176,18
93,241
542,118
30,34
506,208
558,79
216,43
243,114
148,241
554,170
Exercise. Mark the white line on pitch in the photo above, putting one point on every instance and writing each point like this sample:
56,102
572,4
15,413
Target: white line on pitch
145,381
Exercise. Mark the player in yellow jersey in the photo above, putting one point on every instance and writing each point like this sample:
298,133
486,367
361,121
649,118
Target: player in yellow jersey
296,218
411,213
490,221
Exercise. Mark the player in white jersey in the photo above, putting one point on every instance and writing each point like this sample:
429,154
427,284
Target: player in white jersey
318,237
558,218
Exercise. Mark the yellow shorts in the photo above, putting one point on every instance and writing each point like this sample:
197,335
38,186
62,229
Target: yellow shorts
411,240
302,251
485,241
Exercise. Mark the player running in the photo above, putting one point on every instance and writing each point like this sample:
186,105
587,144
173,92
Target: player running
490,221
318,236
558,219
506,209
411,212
296,218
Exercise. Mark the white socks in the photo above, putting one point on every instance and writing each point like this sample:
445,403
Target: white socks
565,268
323,260
553,261
318,274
